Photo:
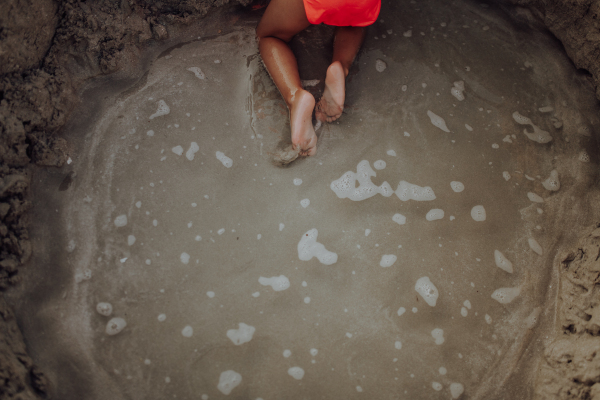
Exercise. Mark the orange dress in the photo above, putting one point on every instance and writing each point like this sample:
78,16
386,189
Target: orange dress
342,12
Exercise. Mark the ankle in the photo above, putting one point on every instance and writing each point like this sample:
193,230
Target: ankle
345,68
300,97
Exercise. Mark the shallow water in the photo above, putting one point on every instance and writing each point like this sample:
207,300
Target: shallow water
182,223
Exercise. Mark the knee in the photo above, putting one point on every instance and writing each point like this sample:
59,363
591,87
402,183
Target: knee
264,31
264,34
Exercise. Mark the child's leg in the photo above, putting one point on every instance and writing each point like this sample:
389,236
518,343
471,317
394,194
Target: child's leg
282,20
346,44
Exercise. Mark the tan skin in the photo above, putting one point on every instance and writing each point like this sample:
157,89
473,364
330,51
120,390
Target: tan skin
283,19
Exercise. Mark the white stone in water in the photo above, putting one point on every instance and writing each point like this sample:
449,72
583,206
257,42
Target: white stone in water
297,181
391,153
457,93
177,150
535,198
379,164
546,109
521,119
162,109
437,121
226,161
478,213
438,336
162,317
345,187
457,186
210,294
460,85
401,311
228,381
506,295
185,258
537,135
241,335
305,203
584,157
121,221
468,127
104,309
150,133
115,325
296,373
458,90
380,65
278,283
552,183
309,83
407,191
192,151
467,304
367,232
408,33
507,139
442,371
308,247
456,390
556,122
398,345
464,312
281,226
506,175
198,72
427,290
503,262
535,246
488,319
387,260
436,386
434,214
287,353
130,240
188,331
399,219
314,352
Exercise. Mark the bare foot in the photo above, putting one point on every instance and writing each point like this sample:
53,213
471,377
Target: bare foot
331,105
303,134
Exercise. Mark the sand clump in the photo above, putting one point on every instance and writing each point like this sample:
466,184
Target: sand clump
570,368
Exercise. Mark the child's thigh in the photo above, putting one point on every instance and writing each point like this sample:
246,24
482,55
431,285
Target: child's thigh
283,19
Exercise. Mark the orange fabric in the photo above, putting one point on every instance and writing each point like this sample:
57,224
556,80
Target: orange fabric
342,12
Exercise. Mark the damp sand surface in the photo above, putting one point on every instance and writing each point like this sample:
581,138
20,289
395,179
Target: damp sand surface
192,234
